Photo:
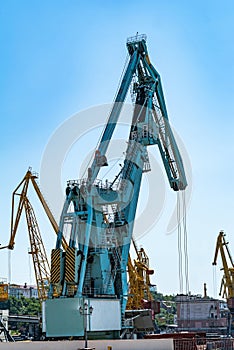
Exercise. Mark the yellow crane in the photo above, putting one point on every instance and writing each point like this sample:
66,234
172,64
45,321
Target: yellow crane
139,280
39,256
227,283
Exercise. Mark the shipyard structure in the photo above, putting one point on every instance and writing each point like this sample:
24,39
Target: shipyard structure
201,314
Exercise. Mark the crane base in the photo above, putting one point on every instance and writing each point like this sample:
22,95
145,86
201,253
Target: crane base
61,318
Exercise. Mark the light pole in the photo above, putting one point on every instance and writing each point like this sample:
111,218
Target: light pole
86,310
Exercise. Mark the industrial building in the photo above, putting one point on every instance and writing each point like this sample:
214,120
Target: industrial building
201,314
27,291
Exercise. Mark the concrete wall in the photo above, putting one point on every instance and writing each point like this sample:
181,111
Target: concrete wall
143,344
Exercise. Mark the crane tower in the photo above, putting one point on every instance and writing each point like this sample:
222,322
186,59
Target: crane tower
93,269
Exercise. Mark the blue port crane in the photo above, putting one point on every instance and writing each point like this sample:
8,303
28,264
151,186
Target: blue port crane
97,218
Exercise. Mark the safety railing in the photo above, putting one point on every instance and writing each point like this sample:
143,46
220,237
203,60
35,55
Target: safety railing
106,185
136,38
203,344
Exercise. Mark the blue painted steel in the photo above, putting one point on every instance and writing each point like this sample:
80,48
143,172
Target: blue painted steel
85,246
98,218
115,113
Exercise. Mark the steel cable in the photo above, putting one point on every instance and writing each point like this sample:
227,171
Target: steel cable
185,243
179,244
106,122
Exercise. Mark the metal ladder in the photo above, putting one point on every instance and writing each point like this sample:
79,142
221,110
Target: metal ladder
110,277
87,280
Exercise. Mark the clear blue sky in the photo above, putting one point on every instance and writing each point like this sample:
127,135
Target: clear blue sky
59,57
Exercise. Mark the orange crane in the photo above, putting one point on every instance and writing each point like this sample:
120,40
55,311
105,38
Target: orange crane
40,261
139,280
227,283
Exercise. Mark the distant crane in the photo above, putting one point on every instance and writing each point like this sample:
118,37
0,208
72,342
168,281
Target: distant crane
139,280
38,252
227,283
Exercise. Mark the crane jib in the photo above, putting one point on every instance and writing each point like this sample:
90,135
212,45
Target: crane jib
115,113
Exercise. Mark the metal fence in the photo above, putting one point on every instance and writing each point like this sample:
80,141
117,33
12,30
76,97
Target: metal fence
204,344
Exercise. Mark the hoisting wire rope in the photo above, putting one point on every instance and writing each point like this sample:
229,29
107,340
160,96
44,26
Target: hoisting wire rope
180,257
137,119
183,251
186,255
110,168
9,266
182,242
29,267
106,122
215,280
185,243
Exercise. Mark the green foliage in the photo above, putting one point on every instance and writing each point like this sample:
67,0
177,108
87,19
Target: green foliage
167,309
165,318
24,306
